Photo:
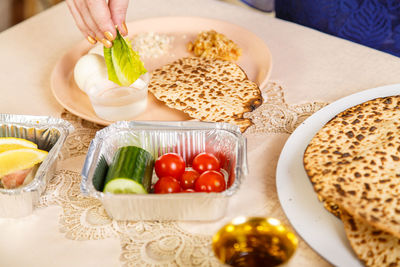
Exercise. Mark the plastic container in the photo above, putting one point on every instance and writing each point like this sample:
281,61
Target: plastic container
185,138
49,134
113,102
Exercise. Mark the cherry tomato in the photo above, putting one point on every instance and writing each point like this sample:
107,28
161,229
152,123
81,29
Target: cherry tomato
205,162
188,178
167,185
222,158
210,181
170,164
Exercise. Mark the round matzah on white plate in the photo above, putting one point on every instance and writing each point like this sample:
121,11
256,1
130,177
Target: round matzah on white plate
319,228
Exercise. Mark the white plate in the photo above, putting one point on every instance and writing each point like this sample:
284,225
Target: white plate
319,228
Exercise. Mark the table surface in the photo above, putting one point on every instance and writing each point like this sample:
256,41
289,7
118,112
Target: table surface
310,69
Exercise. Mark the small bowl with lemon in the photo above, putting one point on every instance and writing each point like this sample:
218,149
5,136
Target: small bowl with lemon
29,146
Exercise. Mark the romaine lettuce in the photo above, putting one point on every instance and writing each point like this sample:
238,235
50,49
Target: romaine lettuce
124,66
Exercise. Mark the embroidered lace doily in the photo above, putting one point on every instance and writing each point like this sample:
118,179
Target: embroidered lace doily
275,116
151,243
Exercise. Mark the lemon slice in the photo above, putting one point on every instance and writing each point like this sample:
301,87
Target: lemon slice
10,143
20,159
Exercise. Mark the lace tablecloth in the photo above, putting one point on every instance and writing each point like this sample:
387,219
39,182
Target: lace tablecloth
165,243
310,69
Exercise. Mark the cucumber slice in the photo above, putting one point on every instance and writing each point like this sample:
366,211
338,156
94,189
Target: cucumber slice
131,171
124,186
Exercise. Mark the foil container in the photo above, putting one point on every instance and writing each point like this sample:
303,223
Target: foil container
186,138
49,134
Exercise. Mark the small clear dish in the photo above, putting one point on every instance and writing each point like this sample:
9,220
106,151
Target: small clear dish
113,102
253,242
49,134
186,138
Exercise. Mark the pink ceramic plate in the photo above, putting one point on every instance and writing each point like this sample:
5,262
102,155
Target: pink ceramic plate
255,61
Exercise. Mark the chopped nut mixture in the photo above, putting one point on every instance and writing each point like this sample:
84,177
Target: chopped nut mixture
211,44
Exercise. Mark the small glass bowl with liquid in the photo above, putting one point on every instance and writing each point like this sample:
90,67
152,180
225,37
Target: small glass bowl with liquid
253,242
114,103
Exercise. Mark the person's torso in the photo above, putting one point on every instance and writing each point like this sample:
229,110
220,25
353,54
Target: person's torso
374,23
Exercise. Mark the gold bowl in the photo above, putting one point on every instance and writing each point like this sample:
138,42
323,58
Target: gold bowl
254,241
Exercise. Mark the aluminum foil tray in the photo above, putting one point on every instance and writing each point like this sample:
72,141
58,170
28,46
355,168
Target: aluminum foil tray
185,138
49,134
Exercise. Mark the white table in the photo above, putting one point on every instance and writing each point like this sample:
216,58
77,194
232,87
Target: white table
308,67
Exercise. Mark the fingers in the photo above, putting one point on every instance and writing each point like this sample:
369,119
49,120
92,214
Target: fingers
80,23
93,18
118,10
87,17
100,13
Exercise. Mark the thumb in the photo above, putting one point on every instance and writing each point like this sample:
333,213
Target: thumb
118,10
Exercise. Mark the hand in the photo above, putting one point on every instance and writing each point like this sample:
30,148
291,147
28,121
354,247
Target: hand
97,20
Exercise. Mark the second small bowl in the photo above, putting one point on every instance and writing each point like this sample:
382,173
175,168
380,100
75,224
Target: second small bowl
254,241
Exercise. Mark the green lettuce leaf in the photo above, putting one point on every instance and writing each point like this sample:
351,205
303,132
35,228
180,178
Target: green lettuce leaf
124,66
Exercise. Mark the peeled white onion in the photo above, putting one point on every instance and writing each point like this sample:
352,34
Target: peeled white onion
89,69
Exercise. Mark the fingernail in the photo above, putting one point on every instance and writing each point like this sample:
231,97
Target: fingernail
125,29
106,43
109,36
91,40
